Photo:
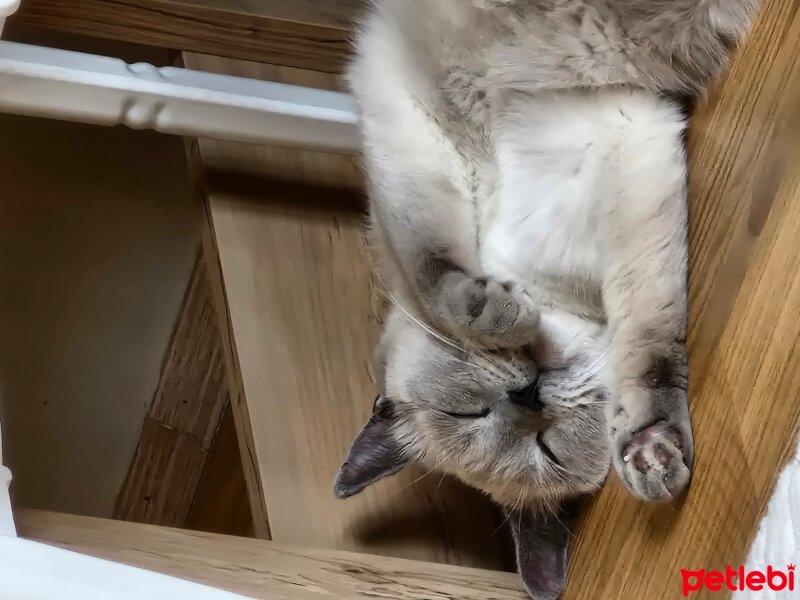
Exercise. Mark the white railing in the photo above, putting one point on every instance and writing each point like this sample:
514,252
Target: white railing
45,82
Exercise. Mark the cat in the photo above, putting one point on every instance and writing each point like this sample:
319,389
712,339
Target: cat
527,182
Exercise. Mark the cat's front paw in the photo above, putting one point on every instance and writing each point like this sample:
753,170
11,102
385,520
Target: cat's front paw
491,312
654,460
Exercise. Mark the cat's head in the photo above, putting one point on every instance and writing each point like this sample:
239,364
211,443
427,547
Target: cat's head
526,426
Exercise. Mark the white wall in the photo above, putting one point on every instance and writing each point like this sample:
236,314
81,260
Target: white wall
98,234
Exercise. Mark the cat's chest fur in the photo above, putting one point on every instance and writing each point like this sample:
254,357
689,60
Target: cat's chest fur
558,169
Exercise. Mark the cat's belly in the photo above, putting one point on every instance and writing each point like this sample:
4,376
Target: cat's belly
559,181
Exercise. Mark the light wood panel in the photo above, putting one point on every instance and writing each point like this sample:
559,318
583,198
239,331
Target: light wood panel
311,34
303,320
745,322
183,418
299,290
187,471
233,373
221,503
262,569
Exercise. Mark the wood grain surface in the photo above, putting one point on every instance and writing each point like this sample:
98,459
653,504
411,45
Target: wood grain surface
261,569
221,503
233,373
250,164
745,322
183,418
311,34
304,318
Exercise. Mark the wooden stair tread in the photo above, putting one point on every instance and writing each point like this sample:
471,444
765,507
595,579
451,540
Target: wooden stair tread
310,34
263,569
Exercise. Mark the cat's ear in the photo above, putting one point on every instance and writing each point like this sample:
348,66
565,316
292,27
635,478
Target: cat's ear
541,541
375,453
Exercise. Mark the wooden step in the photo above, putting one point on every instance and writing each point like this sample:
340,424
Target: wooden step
261,569
311,34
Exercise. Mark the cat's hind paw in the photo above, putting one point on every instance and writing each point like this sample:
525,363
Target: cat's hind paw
655,462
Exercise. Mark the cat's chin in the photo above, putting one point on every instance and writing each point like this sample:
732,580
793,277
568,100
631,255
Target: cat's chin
537,504
531,495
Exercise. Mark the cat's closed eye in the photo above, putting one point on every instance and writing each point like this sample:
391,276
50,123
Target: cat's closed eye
469,415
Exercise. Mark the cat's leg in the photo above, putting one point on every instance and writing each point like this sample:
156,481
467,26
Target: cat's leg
424,213
693,38
724,18
644,241
427,231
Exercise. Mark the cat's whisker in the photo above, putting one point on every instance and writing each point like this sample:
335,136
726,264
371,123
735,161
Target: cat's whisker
487,366
501,368
424,326
554,513
563,471
413,483
439,486
509,513
594,403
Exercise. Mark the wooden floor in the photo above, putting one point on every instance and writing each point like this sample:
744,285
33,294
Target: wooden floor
745,323
298,317
312,34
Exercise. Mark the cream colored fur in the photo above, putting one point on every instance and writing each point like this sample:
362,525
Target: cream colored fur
528,191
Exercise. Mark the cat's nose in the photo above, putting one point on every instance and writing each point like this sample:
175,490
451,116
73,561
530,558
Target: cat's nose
527,397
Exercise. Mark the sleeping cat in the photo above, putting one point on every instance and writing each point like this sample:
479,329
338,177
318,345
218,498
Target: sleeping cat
527,180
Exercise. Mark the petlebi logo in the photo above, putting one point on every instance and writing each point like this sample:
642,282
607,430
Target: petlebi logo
738,579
